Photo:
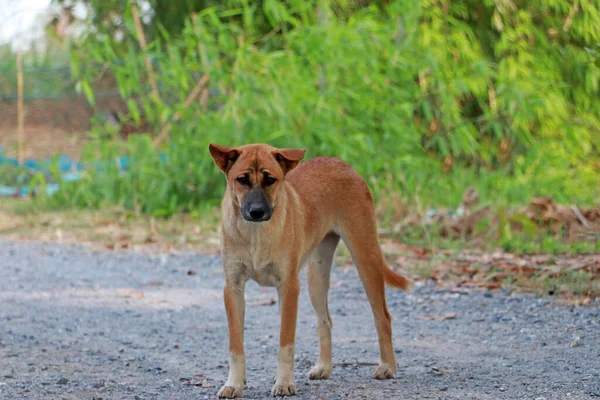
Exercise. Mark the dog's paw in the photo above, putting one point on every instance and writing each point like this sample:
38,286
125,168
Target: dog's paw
284,388
320,371
230,392
385,371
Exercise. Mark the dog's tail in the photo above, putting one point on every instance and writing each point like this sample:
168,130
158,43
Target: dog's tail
394,279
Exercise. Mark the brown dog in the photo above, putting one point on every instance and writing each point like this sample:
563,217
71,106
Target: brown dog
276,217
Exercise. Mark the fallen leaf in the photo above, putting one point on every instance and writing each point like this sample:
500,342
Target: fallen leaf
355,362
130,293
440,370
450,315
105,223
268,302
154,283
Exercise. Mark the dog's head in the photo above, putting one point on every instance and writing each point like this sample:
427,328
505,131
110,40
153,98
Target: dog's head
254,175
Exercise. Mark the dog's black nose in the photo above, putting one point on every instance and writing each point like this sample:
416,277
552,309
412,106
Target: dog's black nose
257,207
256,213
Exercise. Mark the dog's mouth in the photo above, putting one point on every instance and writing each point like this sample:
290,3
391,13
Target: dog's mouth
257,214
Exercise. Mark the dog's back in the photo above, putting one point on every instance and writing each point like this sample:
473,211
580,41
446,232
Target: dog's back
331,190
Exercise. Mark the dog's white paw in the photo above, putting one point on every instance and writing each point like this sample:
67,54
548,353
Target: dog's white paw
385,371
320,371
284,387
230,392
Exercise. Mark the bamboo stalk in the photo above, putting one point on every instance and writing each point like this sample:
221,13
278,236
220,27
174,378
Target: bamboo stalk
20,111
142,42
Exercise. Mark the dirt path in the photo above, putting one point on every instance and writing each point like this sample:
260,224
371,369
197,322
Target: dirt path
78,324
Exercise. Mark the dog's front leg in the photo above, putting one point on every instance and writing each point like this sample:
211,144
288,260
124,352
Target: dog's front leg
288,307
233,295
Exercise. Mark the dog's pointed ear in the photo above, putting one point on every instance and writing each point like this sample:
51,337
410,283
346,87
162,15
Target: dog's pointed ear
288,158
223,156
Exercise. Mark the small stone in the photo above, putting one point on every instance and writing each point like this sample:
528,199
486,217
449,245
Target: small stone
487,294
100,384
443,388
166,383
62,381
9,375
305,363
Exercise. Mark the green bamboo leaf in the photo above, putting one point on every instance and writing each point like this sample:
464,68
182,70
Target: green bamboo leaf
87,90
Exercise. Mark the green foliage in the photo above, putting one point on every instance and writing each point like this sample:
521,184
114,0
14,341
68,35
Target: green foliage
15,176
425,97
46,73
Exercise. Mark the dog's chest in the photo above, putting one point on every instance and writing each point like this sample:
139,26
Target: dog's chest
266,274
257,261
257,254
261,268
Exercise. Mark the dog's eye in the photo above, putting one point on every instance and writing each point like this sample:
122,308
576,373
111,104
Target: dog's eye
269,180
243,180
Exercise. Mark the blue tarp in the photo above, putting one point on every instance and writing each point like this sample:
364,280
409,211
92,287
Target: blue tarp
70,171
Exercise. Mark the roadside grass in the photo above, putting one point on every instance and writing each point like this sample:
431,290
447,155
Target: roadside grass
544,264
110,228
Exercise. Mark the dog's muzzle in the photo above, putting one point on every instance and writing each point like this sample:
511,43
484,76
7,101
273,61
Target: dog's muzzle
257,207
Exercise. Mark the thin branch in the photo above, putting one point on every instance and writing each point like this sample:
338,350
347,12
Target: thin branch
355,362
20,110
583,220
142,41
188,101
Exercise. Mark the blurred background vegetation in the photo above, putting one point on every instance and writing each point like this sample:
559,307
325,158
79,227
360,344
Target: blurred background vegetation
476,124
425,98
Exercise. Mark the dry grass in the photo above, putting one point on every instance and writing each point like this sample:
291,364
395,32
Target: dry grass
110,229
571,276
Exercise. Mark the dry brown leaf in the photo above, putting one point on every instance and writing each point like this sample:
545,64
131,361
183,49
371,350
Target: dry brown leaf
268,302
154,283
449,315
129,293
203,384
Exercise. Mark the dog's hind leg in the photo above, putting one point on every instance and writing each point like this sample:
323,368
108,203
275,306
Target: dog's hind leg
360,236
319,270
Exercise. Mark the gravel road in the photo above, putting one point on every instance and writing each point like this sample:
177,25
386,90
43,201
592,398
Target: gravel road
81,324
